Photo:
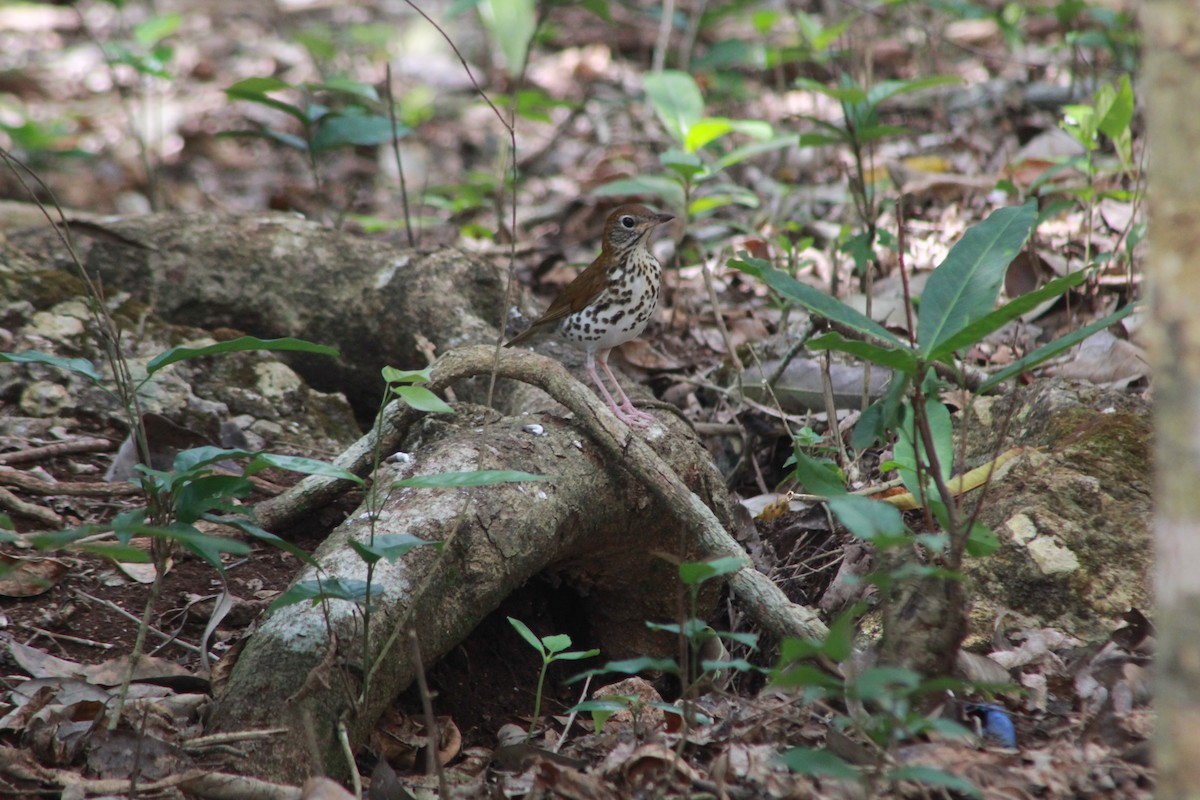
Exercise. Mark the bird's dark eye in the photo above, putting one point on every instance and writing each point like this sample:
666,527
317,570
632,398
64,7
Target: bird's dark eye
627,221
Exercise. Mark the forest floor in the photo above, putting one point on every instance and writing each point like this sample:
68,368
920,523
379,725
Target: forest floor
116,120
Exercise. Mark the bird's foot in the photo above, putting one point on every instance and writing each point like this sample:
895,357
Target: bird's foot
631,416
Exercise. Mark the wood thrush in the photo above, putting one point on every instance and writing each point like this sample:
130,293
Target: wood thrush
611,301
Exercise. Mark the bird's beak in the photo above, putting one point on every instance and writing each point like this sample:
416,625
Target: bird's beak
661,218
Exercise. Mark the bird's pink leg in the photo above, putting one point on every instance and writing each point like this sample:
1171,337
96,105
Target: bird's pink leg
627,412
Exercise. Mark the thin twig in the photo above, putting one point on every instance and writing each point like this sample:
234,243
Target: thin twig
391,101
191,648
343,737
432,738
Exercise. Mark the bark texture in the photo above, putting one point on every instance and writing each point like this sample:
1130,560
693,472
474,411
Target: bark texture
617,501
273,275
1172,29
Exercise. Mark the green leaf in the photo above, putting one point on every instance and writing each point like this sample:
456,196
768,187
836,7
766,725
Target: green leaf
250,529
813,299
126,554
976,331
1115,107
155,29
353,591
556,642
964,287
388,546
422,399
347,86
899,358
883,683
869,520
240,344
192,459
254,90
360,130
808,761
886,90
79,365
479,477
694,573
981,541
512,24
203,494
932,776
942,430
705,131
301,465
668,190
630,666
677,101
819,476
739,154
576,655
393,375
528,635
1051,349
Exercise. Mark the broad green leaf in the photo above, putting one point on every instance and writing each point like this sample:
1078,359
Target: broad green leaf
964,287
932,776
1116,108
250,529
739,154
1051,349
839,642
80,365
388,546
243,343
347,86
942,429
155,29
869,520
512,24
981,541
899,358
709,202
883,683
813,299
422,399
818,476
886,90
393,375
630,666
126,554
353,591
677,101
846,94
666,189
705,131
208,547
344,130
577,655
197,497
976,331
254,90
808,761
796,676
299,464
693,573
193,458
528,635
556,643
479,477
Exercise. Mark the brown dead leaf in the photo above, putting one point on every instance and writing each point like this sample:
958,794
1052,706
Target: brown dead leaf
29,577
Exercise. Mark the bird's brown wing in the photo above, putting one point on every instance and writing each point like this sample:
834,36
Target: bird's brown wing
579,293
